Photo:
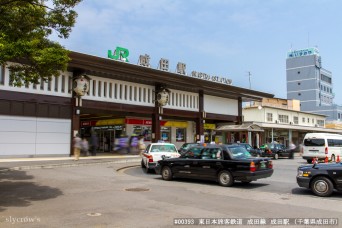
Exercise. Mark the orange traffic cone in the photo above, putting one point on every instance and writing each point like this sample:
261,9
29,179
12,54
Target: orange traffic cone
338,158
326,160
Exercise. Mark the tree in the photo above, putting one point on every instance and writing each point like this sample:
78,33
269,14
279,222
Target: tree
25,26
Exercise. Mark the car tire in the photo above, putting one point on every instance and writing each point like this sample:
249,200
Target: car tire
309,161
322,186
166,173
276,156
225,178
333,158
142,164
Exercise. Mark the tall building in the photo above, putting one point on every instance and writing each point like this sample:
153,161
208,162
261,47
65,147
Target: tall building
310,83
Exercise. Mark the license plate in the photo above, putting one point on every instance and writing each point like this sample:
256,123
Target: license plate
262,165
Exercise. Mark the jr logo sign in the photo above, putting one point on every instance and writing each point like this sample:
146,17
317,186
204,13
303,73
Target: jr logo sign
119,54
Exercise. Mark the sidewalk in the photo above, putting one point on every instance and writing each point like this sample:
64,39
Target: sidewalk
8,164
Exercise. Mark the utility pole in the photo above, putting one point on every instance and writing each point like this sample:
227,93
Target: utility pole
249,78
250,85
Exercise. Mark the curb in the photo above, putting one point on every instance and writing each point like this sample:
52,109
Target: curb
64,165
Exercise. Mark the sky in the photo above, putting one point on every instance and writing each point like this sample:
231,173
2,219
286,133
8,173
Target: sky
226,38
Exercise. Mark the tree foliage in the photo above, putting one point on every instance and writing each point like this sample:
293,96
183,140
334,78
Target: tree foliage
25,26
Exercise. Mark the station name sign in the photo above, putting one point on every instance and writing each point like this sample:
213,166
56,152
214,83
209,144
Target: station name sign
121,54
302,52
207,77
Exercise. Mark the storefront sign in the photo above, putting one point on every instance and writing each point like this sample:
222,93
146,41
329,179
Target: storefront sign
209,126
303,52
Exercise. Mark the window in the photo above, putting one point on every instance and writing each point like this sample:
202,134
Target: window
105,89
49,84
42,84
2,75
99,88
320,123
180,134
314,142
56,84
63,84
295,119
308,120
303,119
110,90
312,121
269,117
70,84
283,118
94,87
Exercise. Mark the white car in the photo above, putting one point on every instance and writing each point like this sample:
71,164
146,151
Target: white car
154,152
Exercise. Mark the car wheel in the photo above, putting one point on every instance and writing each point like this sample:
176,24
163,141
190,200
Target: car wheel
142,164
166,173
333,158
309,161
322,186
225,178
276,156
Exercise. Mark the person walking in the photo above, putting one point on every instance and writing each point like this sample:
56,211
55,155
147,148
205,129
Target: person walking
77,146
292,148
141,145
94,143
84,147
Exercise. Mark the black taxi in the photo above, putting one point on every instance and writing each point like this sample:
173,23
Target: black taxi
222,163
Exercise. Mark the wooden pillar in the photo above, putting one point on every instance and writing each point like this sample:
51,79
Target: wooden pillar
200,118
239,120
156,124
75,120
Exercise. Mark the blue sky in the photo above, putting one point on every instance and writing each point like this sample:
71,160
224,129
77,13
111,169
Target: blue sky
226,38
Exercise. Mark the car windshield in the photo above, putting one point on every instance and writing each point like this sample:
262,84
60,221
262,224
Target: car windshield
163,148
239,152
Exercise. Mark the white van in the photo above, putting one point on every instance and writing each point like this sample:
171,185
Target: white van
321,145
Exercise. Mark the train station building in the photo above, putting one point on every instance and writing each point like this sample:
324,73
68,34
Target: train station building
113,97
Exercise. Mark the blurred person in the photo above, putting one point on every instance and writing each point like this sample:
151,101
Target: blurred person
84,147
141,145
292,148
77,146
94,143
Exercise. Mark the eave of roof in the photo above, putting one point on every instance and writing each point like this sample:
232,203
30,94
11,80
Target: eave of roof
109,68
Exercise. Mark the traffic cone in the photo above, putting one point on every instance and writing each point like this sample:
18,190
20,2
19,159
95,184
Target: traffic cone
338,158
326,160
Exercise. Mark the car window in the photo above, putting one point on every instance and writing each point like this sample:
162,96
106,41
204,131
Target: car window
314,142
248,147
239,153
163,148
205,153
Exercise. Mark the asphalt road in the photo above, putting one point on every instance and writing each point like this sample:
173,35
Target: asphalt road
100,196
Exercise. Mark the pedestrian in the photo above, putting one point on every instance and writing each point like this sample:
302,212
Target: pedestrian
292,148
134,143
141,145
94,143
84,147
77,146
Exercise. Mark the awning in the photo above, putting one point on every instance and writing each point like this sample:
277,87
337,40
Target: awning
242,127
